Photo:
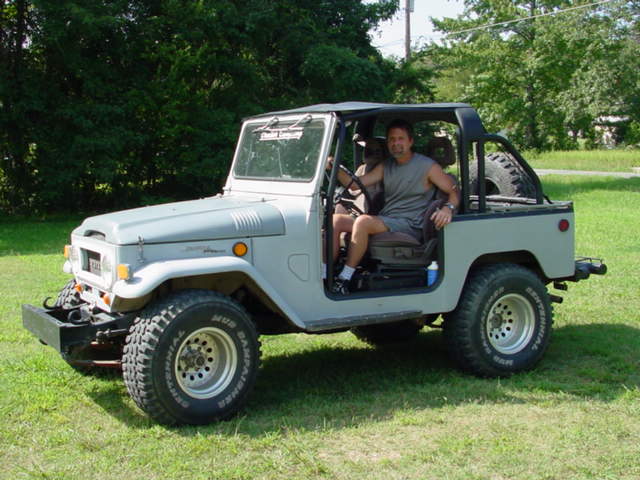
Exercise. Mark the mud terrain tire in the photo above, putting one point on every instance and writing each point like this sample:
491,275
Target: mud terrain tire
68,297
502,323
503,176
192,358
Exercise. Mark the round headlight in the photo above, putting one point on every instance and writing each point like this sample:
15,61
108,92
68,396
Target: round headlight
105,268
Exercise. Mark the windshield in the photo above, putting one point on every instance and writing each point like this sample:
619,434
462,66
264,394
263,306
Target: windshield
285,150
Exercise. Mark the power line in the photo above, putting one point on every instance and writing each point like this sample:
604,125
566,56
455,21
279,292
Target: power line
557,12
490,25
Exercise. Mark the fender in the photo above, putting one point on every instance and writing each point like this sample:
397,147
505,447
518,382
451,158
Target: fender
149,277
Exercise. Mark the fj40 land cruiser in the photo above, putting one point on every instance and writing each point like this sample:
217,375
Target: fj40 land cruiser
177,295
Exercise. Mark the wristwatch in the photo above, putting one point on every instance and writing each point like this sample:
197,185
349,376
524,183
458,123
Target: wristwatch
450,205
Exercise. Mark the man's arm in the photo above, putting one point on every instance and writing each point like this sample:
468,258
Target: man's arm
446,184
368,179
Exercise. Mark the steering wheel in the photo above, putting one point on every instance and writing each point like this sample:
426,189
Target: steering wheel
345,198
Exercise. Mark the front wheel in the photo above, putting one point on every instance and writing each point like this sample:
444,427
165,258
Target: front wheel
502,323
193,358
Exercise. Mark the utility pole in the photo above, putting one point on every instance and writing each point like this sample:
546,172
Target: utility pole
407,29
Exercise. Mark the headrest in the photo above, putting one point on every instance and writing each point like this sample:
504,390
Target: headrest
375,149
441,150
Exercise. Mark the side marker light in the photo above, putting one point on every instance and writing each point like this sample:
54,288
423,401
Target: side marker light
240,249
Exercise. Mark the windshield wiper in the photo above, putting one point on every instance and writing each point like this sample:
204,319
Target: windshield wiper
269,126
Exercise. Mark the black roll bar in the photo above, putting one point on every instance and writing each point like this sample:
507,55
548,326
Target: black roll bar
328,217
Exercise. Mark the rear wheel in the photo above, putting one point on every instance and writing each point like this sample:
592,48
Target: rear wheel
192,358
502,323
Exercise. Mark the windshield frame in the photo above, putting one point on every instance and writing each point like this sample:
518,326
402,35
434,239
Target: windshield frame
280,185
285,128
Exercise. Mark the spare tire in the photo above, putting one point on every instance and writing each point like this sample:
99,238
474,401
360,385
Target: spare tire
503,176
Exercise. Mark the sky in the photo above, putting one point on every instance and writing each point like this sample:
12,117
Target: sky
389,38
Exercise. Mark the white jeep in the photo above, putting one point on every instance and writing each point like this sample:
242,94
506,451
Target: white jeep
177,294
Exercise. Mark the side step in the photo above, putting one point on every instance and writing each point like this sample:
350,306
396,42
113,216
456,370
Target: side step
357,320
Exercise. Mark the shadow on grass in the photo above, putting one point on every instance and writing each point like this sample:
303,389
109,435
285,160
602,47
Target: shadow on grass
346,386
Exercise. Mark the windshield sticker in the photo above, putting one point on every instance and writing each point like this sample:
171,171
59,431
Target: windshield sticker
280,135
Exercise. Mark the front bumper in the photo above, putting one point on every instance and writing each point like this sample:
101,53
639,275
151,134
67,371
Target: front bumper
48,326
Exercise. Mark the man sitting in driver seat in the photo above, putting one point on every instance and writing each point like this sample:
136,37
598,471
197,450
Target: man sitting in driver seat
409,183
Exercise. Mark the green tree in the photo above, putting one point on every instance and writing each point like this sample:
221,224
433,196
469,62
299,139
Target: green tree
17,99
111,103
540,76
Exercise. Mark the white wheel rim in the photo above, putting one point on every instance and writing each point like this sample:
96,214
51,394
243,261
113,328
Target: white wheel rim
510,324
206,362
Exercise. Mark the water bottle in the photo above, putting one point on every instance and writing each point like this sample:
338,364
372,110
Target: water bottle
432,273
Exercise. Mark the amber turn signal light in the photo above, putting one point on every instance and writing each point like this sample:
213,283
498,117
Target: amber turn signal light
124,271
240,249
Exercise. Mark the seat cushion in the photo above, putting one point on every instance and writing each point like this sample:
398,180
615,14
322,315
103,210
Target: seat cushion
396,239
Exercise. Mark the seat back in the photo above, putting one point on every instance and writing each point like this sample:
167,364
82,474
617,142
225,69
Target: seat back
441,150
376,191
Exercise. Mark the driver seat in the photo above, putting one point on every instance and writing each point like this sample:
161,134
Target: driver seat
395,249
403,250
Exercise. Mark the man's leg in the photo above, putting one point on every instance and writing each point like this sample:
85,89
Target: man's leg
341,223
363,227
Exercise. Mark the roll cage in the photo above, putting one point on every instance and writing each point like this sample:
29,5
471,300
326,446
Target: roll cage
472,137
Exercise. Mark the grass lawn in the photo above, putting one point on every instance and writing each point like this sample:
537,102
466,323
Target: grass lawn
597,160
332,407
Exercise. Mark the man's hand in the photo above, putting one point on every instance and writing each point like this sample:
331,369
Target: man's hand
442,217
329,165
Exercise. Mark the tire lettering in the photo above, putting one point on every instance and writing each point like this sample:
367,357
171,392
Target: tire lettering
246,355
228,322
542,313
168,376
503,361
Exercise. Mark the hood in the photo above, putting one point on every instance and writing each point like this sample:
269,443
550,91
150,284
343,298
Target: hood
206,219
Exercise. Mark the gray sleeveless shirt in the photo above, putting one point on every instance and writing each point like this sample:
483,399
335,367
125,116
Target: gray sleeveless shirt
404,193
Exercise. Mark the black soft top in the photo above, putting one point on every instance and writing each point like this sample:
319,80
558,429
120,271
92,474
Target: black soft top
461,114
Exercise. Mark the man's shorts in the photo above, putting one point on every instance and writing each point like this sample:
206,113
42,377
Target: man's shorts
401,225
